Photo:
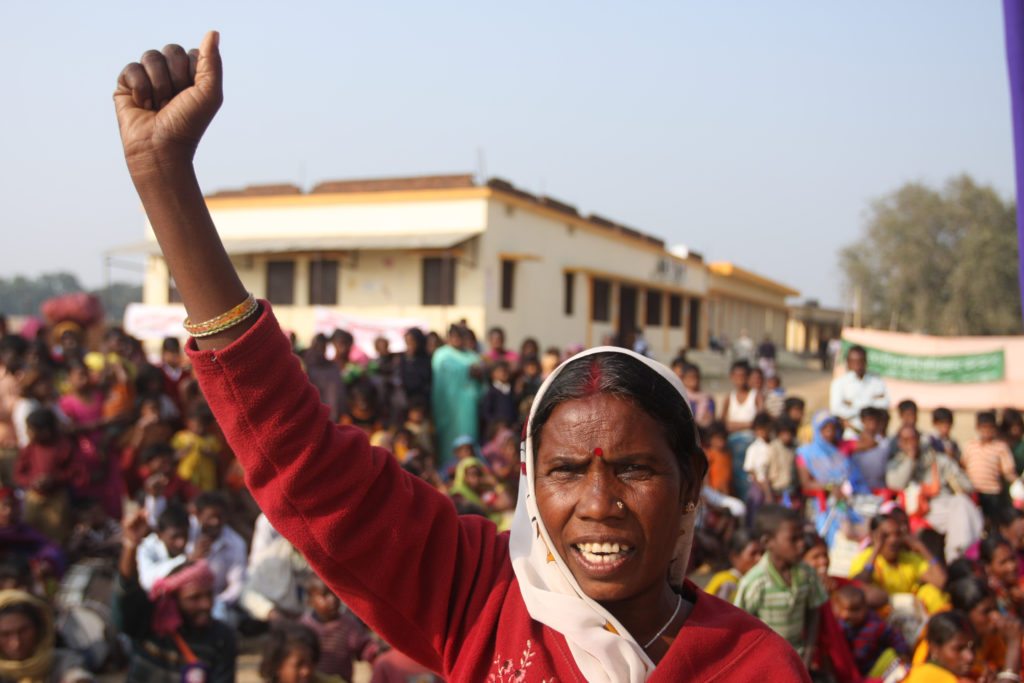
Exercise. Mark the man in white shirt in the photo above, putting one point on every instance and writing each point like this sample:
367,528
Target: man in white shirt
222,548
162,551
856,390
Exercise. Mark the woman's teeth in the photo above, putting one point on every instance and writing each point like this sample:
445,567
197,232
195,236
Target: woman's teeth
598,553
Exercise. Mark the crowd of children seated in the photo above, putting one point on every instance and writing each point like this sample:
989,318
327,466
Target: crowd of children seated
129,544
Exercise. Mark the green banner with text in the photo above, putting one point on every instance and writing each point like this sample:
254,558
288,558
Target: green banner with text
963,369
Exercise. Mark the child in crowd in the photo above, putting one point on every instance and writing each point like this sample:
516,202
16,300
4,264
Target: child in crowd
45,469
701,403
942,441
757,462
795,409
875,644
774,396
1012,431
950,652
418,424
780,589
291,655
198,450
738,412
757,382
163,550
782,462
498,405
870,451
161,484
342,637
907,411
744,552
719,460
95,535
988,463
549,361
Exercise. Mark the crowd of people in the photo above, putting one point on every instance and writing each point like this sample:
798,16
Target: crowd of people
128,540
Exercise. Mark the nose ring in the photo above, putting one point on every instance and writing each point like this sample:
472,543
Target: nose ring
619,504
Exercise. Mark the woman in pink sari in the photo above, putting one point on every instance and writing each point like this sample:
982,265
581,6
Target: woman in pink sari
84,408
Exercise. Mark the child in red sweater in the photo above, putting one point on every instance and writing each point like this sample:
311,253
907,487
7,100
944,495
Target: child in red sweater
45,468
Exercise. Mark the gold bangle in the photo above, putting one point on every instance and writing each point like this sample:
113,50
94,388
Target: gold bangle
223,321
229,324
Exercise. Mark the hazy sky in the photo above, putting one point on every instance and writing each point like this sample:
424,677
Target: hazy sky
751,131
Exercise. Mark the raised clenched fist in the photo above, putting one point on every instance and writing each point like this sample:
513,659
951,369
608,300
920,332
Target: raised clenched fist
166,100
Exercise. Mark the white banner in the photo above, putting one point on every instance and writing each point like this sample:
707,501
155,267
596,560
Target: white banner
365,330
147,321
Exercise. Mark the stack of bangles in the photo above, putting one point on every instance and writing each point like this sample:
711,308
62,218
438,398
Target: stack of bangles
224,321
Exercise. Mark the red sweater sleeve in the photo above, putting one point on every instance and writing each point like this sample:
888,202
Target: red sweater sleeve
388,544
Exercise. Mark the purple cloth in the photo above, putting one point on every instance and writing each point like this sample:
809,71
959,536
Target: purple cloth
1013,13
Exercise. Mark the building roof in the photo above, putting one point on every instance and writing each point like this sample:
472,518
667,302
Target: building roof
728,269
429,183
316,243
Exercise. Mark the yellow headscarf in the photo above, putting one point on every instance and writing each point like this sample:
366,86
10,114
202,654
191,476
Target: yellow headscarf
37,667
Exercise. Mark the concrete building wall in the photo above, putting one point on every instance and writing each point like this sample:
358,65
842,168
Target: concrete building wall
545,246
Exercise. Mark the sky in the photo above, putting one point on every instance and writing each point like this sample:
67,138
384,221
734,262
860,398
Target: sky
754,132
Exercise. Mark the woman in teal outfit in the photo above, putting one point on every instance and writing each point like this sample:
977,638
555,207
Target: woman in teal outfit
455,394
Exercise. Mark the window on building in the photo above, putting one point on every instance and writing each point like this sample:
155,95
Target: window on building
675,310
281,282
323,283
570,293
654,299
438,281
601,311
508,284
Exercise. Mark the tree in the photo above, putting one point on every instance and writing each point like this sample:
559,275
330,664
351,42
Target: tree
938,262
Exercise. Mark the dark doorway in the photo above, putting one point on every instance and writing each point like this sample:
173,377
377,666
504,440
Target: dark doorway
693,325
627,312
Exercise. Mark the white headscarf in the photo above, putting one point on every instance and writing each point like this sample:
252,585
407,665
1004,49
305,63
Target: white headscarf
602,648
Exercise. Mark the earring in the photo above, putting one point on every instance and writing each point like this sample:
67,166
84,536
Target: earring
690,507
619,504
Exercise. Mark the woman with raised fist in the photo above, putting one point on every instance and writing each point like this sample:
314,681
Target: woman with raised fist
590,583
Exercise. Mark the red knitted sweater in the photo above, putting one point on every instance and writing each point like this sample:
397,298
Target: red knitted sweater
436,586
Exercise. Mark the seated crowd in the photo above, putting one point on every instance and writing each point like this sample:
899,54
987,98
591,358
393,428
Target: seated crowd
129,544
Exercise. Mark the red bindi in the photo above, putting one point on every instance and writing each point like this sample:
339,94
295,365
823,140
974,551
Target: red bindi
598,453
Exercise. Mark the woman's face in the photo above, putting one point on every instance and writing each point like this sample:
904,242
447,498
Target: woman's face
19,637
1003,566
828,431
297,667
614,552
984,617
740,378
957,655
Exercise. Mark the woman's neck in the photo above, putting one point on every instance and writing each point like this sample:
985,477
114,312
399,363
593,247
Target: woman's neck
645,614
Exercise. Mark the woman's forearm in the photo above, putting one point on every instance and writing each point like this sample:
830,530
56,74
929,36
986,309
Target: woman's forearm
202,271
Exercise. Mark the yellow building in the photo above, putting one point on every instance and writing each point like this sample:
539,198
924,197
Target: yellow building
741,301
439,249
